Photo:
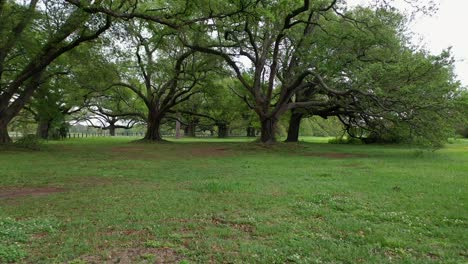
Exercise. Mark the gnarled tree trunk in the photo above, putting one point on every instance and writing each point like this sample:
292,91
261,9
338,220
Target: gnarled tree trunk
153,130
268,130
294,126
8,112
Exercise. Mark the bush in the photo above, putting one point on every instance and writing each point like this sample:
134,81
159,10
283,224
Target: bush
390,137
463,131
345,140
29,141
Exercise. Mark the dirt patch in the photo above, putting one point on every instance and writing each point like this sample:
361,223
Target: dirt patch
137,255
433,256
336,155
27,191
39,235
209,151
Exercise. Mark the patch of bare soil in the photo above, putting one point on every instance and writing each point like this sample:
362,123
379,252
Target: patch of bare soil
433,256
137,255
28,191
336,155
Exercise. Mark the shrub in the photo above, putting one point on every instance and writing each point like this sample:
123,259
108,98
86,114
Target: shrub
463,131
344,140
29,141
389,137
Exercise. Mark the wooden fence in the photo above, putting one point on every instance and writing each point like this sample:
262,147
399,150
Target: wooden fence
16,135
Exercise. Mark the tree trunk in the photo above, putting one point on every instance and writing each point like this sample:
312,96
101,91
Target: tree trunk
268,130
153,130
294,126
43,128
190,130
8,112
112,130
177,129
4,137
223,131
250,131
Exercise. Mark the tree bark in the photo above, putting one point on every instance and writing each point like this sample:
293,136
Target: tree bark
111,129
294,126
177,129
4,137
7,112
268,130
43,128
223,130
153,130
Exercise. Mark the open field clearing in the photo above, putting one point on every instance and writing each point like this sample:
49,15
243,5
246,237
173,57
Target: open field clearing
113,200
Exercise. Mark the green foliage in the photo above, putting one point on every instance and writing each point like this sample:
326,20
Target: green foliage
462,106
320,127
36,35
345,140
409,92
463,131
153,244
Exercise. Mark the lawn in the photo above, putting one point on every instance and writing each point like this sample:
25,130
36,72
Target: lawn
94,200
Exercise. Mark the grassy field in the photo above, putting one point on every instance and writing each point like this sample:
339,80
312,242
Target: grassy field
107,200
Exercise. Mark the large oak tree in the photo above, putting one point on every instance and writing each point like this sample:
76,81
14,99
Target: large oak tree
33,36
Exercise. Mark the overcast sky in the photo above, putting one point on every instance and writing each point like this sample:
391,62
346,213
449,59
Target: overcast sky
448,27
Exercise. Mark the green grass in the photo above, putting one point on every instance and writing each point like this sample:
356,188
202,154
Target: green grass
232,201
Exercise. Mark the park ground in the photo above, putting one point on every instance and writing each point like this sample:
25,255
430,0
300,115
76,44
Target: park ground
114,200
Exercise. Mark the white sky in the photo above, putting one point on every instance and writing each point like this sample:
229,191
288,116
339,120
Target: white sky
446,28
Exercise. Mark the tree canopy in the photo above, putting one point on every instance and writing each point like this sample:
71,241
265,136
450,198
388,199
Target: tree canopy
225,65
